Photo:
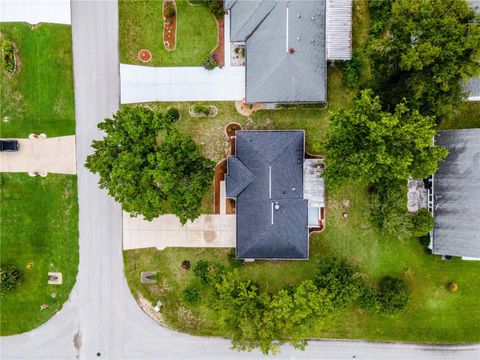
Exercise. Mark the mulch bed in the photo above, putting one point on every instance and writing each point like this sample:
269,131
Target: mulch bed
169,30
220,50
220,171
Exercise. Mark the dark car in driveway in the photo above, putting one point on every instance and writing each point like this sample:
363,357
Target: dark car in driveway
9,145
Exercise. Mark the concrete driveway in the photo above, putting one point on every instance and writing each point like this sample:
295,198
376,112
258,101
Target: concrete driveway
51,155
147,83
36,11
167,231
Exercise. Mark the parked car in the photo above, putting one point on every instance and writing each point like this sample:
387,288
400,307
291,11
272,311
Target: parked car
9,145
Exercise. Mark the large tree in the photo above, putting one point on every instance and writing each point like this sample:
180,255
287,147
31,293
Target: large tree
149,167
428,48
367,143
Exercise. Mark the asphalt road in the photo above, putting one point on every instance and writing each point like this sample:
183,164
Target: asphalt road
101,315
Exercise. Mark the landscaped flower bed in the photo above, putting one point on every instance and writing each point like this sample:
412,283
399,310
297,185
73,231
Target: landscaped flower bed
145,55
169,24
200,110
220,49
9,62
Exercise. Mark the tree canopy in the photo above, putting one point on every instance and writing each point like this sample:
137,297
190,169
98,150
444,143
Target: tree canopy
259,319
427,48
367,143
148,166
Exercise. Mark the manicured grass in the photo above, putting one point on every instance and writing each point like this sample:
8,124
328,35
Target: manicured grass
141,27
39,97
38,222
466,116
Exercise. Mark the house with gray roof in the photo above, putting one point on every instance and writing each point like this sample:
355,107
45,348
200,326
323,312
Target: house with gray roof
456,195
287,45
279,195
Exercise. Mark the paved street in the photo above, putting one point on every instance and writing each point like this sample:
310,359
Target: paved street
101,319
51,155
167,231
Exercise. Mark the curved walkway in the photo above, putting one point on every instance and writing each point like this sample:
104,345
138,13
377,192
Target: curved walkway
51,155
101,316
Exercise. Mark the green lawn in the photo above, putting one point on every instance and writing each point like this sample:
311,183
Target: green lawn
141,27
39,97
466,116
433,314
38,223
38,216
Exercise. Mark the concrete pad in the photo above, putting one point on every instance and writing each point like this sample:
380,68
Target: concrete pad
198,224
36,11
223,198
167,231
51,155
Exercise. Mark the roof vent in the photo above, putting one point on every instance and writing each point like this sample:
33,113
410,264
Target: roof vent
299,16
298,38
277,207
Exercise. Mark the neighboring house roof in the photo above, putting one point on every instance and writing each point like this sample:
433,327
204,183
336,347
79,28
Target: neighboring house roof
339,29
266,178
473,85
270,29
456,190
473,88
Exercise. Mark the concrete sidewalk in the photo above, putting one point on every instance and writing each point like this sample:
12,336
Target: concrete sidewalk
51,155
35,11
147,83
167,231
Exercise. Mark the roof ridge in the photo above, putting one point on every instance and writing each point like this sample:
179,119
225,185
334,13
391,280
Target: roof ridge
273,72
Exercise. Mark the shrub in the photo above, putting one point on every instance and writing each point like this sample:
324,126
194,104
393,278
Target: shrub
369,300
10,277
201,109
233,261
352,69
216,7
453,286
379,14
421,222
201,270
340,279
191,295
169,10
8,56
211,62
172,114
389,207
394,294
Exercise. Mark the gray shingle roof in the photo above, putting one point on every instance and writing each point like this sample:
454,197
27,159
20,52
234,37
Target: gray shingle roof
270,29
271,211
456,189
